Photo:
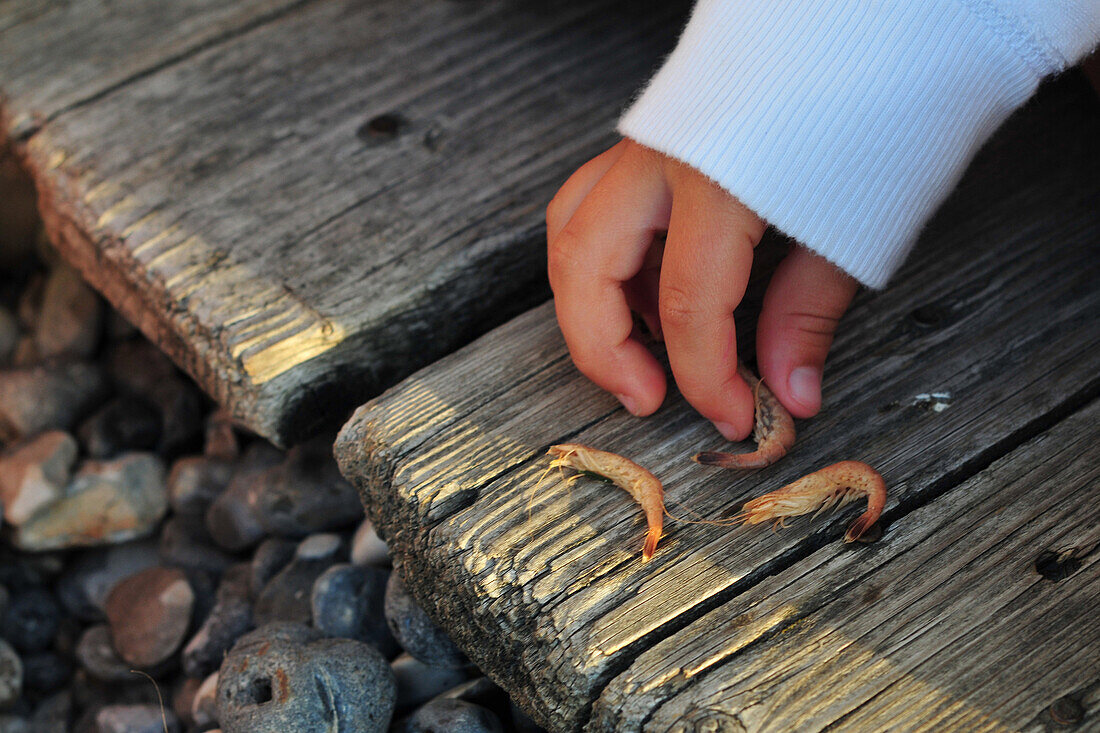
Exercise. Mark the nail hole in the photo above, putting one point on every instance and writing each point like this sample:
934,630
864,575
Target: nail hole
1067,711
1054,566
928,316
383,127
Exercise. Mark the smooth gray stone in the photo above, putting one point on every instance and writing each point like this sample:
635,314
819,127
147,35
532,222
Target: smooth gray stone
286,677
232,517
271,556
69,316
186,543
349,601
287,596
11,675
417,682
415,632
449,715
31,620
230,618
97,656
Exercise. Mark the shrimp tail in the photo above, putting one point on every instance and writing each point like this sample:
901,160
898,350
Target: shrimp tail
763,456
650,545
861,525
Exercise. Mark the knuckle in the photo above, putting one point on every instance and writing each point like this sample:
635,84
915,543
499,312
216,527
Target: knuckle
677,307
555,213
565,251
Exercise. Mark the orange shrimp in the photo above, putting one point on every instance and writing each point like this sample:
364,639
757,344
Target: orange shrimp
831,487
624,473
773,431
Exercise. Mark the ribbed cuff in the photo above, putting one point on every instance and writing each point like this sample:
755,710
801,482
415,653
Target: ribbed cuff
843,123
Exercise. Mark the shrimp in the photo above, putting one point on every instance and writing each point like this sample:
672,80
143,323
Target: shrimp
624,473
831,487
773,431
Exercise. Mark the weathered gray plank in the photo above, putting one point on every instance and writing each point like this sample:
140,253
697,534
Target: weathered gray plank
944,625
60,53
237,207
545,590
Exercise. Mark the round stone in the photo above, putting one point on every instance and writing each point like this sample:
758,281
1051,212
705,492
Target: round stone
136,719
31,620
415,632
149,614
285,677
448,715
348,601
11,675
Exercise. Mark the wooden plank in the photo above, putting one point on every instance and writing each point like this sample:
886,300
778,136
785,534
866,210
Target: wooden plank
238,207
545,590
944,625
60,54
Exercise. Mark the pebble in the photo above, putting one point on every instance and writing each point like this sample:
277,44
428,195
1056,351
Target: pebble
11,675
232,518
97,656
45,672
181,406
69,316
107,502
348,601
196,481
285,677
220,440
83,588
367,548
31,620
124,424
415,632
136,719
417,682
204,706
271,556
34,473
448,715
52,714
47,397
185,543
136,366
228,620
306,493
287,596
183,698
14,724
149,614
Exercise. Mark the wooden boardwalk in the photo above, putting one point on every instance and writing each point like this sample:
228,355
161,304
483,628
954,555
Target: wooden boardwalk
302,201
971,384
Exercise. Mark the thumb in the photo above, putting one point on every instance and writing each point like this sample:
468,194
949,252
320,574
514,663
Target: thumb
802,307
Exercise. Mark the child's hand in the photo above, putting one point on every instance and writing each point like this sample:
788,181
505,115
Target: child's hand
600,228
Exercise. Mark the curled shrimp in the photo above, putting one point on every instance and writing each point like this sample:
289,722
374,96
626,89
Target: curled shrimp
624,473
831,487
773,431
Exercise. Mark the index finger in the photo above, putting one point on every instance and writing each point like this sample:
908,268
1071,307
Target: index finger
601,247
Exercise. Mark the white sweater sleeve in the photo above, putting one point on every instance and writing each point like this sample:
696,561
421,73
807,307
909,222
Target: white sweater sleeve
845,123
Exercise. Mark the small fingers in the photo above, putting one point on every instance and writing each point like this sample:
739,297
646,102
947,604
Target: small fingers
565,202
802,308
602,246
706,266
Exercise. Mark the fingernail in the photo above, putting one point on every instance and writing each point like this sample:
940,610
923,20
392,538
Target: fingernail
805,386
629,403
728,431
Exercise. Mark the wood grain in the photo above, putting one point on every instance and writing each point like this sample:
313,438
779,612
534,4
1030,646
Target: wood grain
236,205
542,583
943,625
